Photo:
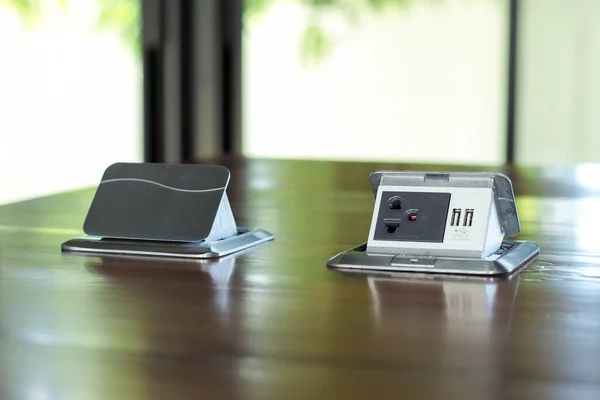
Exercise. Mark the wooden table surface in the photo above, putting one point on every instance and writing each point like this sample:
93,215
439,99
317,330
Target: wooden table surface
275,323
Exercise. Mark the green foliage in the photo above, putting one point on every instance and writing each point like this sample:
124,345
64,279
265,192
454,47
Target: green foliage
121,16
316,42
25,6
28,10
255,8
124,17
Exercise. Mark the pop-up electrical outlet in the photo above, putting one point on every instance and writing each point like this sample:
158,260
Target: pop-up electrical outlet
441,214
441,223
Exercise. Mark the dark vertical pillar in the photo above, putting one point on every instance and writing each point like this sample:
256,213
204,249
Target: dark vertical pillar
192,79
187,79
152,25
231,55
512,82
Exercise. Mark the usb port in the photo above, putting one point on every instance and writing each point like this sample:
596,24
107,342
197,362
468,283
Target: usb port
468,221
455,220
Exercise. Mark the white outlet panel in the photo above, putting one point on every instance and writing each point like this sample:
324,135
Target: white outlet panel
477,235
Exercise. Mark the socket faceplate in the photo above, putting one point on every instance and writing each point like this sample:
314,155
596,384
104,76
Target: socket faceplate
412,216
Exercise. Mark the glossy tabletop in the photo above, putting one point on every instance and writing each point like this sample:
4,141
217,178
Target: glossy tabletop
275,323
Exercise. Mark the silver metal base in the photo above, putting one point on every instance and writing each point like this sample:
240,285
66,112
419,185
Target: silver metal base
511,256
195,250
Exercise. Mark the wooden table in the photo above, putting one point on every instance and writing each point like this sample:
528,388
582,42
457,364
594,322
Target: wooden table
275,323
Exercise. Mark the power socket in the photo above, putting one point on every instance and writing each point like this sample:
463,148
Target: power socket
441,223
441,214
412,216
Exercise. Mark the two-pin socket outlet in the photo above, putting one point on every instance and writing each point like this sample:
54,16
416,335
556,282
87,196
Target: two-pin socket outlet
395,204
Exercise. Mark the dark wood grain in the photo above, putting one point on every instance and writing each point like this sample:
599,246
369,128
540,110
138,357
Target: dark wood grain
275,323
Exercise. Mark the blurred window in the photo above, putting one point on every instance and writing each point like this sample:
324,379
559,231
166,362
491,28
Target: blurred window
70,97
389,80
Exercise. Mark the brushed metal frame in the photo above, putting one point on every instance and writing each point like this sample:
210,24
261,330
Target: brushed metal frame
512,256
189,250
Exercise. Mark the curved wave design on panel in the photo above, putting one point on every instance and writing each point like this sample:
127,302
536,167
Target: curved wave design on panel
160,184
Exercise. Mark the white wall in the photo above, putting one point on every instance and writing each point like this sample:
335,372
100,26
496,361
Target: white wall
423,83
558,82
